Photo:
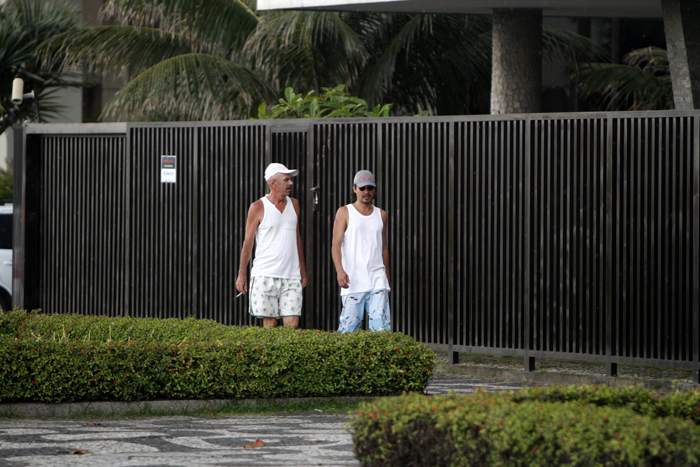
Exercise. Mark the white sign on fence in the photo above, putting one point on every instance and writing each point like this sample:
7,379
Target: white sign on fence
168,169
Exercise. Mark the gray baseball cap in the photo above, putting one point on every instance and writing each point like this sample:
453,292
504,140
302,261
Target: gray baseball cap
364,178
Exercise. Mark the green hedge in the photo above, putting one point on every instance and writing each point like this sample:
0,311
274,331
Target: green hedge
684,405
62,327
60,358
581,426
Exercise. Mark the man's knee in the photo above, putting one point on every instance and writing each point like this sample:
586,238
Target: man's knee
291,322
269,322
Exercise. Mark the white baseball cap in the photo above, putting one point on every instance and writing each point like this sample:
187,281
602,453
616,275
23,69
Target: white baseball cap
277,168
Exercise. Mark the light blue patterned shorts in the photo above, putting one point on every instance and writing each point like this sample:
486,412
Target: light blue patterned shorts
272,297
376,303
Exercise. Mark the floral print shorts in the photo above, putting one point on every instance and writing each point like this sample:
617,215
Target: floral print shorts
272,297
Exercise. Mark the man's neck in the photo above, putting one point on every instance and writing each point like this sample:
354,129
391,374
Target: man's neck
364,208
276,197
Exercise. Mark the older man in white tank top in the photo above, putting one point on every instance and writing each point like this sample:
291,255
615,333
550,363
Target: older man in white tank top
279,272
361,258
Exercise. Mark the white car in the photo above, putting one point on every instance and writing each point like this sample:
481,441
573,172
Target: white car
6,256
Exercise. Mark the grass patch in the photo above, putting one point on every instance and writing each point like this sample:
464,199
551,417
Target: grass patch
271,407
339,405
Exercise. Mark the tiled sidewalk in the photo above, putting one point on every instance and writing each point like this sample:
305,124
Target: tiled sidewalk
301,439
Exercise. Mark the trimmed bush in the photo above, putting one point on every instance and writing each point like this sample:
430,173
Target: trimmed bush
555,426
684,405
60,358
73,327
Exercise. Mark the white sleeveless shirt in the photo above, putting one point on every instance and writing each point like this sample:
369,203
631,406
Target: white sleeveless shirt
276,253
362,250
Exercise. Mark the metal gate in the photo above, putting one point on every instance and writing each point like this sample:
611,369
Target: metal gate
572,235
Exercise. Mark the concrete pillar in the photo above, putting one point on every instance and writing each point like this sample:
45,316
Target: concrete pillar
516,80
682,27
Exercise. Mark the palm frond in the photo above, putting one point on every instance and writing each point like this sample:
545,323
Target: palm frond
384,68
127,49
24,26
652,59
224,25
49,103
439,63
191,87
642,83
307,50
44,19
573,48
16,47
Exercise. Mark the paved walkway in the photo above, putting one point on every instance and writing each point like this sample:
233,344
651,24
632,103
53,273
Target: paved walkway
301,439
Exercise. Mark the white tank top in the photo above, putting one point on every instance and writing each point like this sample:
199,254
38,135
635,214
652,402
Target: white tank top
276,253
362,252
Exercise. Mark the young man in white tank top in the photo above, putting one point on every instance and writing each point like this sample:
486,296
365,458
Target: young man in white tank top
361,258
279,272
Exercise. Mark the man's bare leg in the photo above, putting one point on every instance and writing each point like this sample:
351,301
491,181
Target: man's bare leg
269,322
291,322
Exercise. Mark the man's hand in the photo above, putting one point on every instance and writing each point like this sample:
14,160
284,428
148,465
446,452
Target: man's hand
242,283
343,279
304,280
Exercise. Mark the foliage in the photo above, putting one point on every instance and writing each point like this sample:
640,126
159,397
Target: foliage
6,185
219,59
684,405
306,50
24,25
437,63
58,358
182,59
643,82
558,426
333,102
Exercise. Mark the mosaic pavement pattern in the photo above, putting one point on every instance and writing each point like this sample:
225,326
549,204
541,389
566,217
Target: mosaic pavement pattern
295,439
301,439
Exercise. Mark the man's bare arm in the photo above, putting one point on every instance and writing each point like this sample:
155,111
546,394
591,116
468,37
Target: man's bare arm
385,246
339,228
255,215
300,247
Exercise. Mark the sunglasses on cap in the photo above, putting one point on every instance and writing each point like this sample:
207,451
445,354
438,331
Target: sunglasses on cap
366,187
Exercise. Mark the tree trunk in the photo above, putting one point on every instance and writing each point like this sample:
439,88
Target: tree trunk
681,22
516,82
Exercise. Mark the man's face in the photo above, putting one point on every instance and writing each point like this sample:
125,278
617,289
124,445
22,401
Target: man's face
365,194
284,183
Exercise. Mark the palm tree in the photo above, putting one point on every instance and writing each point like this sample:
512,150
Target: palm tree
216,59
24,25
642,82
182,58
439,63
305,50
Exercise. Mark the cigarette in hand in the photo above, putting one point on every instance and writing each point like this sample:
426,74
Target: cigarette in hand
239,294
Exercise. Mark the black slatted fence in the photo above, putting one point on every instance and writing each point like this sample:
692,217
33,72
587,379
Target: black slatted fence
573,235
